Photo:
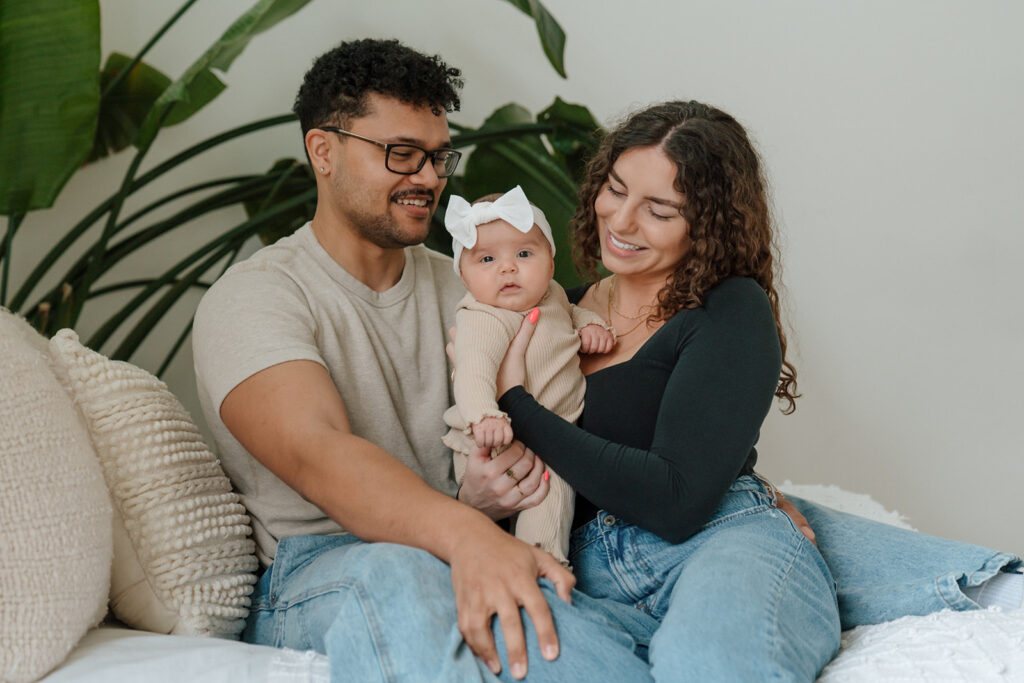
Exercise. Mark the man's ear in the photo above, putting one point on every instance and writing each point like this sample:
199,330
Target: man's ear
318,148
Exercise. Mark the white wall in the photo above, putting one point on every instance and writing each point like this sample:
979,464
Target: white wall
891,132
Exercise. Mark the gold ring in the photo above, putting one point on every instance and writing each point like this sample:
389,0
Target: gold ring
511,475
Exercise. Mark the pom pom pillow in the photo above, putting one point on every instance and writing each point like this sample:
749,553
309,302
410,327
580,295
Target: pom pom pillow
183,559
55,515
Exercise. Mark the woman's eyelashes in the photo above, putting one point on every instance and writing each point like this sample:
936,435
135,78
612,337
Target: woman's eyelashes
650,207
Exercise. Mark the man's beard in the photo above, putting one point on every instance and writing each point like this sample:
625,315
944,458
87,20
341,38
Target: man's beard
384,232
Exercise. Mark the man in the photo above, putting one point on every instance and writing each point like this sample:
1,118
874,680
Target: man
320,371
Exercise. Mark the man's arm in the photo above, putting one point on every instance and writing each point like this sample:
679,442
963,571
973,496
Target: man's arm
291,418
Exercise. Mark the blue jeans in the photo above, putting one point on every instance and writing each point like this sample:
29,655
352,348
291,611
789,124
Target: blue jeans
884,573
747,598
384,612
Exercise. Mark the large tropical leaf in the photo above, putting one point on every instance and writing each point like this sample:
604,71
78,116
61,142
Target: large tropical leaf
49,97
198,85
552,37
293,178
124,108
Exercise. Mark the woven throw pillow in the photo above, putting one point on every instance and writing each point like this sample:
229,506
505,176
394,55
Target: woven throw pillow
55,533
183,559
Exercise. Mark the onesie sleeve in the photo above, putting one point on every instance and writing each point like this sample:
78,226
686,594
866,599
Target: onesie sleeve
581,317
720,388
480,344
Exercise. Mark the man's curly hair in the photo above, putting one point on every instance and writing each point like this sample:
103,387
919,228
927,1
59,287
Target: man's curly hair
334,89
726,206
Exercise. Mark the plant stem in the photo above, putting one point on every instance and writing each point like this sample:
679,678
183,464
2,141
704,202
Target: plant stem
37,274
13,221
142,53
188,328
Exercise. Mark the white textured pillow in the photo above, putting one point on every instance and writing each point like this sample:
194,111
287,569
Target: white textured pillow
183,559
55,531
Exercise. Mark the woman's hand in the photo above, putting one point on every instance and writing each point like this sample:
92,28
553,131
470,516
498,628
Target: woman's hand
501,486
798,519
512,371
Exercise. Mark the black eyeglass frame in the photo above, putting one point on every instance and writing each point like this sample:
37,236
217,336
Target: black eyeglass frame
388,146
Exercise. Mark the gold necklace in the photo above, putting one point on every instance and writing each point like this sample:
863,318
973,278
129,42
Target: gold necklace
611,307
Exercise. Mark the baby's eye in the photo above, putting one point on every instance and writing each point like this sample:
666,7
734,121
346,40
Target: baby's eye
524,253
486,259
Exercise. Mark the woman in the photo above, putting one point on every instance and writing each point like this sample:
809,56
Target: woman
671,517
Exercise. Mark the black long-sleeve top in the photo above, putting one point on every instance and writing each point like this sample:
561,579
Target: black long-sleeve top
664,434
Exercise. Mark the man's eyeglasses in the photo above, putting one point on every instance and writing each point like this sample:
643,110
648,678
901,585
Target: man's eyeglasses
408,159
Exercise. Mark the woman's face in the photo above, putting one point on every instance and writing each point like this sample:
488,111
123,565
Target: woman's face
638,216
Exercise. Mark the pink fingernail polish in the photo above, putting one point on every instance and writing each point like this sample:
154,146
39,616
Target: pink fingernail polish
547,475
534,314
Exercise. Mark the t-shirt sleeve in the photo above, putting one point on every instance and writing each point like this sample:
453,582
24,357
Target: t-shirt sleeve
718,393
248,321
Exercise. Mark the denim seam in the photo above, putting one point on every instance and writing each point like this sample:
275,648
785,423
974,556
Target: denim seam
370,618
615,564
763,507
780,582
948,587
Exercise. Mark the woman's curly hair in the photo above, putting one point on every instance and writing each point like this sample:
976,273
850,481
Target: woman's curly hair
726,207
335,87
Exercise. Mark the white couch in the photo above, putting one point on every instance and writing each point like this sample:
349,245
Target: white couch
108,497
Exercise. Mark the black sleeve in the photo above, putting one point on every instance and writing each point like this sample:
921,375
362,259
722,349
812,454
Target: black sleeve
727,363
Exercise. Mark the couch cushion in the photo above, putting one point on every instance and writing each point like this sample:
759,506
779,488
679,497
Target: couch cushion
55,514
183,559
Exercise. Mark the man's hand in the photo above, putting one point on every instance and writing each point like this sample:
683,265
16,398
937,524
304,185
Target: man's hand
502,486
492,432
596,339
495,576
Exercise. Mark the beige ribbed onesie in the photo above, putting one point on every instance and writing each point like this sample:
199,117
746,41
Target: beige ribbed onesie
552,375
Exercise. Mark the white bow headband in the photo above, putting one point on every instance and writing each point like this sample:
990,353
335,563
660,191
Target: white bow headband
462,218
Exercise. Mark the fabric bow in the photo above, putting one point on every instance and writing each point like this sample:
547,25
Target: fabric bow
461,218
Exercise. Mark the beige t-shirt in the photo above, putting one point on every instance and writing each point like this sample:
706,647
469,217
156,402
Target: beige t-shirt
384,351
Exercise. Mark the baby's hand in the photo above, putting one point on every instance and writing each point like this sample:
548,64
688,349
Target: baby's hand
596,339
492,432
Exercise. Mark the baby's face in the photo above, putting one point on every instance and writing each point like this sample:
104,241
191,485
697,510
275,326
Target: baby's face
506,268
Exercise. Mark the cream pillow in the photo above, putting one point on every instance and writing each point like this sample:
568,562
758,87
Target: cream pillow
183,559
55,529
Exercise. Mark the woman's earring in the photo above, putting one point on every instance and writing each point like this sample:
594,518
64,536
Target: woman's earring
323,170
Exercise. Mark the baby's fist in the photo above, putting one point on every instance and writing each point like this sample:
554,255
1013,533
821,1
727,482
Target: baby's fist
596,339
492,432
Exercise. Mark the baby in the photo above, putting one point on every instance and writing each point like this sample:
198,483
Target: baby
504,254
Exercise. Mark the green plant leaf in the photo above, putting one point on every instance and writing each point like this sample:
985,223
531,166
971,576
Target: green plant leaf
575,136
293,178
552,37
49,97
123,110
198,85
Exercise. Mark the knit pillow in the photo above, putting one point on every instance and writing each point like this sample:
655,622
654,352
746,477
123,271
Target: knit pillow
183,559
55,540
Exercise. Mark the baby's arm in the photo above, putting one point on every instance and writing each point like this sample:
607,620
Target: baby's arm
480,344
596,336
